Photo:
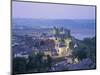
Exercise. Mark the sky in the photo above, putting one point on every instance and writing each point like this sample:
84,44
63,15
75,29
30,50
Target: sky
51,11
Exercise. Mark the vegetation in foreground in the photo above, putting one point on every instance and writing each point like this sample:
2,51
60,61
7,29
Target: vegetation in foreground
35,63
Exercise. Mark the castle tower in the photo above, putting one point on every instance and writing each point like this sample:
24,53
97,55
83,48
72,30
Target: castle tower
62,36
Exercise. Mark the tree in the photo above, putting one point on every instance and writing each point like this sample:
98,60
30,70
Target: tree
31,63
80,53
39,61
49,61
86,48
19,65
91,47
71,45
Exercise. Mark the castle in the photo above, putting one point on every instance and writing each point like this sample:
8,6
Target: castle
62,38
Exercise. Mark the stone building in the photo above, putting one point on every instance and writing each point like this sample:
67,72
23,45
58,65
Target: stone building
62,40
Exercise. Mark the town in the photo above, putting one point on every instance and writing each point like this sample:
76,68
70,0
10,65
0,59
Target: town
55,48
